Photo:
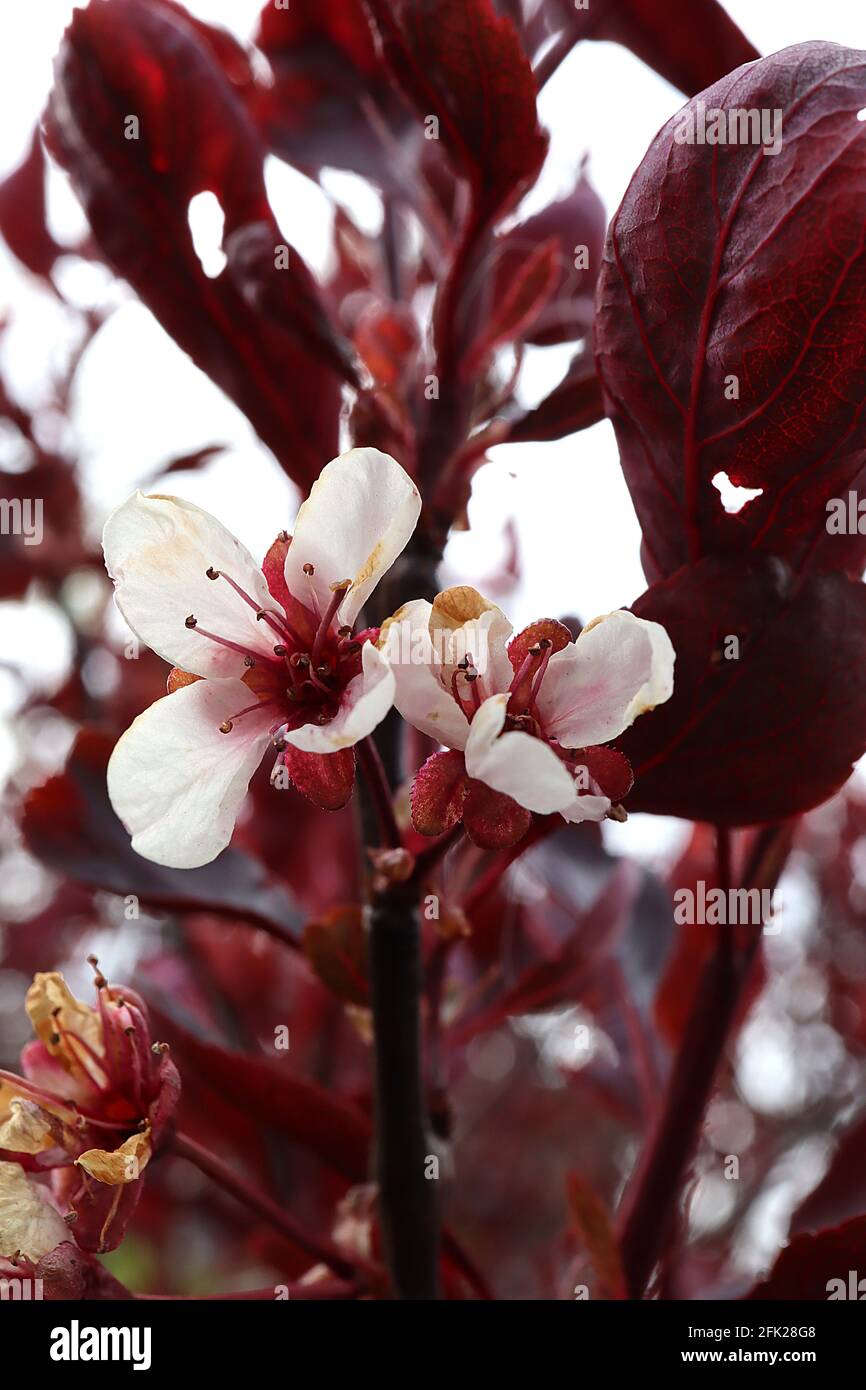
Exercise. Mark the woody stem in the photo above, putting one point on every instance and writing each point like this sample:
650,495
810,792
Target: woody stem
407,1197
650,1204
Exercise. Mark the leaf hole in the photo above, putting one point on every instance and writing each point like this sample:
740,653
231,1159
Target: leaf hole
206,224
734,498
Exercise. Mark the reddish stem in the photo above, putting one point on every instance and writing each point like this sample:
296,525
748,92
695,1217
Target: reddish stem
380,793
494,872
650,1206
320,1249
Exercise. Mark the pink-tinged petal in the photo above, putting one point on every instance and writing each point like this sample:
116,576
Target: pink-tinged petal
326,779
177,782
491,820
50,1074
437,793
516,764
359,515
619,667
158,551
365,702
419,694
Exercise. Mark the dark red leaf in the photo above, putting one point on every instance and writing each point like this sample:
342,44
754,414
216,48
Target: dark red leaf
769,732
559,977
592,1226
529,287
332,101
23,224
131,59
387,339
691,55
461,62
841,1193
730,272
266,1090
575,404
806,1267
70,826
577,223
336,947
288,297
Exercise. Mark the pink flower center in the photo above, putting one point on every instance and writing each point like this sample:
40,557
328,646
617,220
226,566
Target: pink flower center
306,676
522,712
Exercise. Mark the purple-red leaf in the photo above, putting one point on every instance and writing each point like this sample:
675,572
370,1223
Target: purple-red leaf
69,825
691,54
143,117
462,63
575,404
23,224
731,332
814,1268
768,712
332,101
268,1092
530,286
577,223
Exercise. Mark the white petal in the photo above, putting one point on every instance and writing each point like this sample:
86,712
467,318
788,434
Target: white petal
360,513
366,701
29,1224
176,782
464,623
516,764
158,551
587,808
420,695
619,667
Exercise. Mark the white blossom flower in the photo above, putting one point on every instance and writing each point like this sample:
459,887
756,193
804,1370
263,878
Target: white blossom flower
262,655
527,715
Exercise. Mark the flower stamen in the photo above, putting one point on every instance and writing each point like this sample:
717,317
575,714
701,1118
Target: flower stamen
193,624
338,593
228,724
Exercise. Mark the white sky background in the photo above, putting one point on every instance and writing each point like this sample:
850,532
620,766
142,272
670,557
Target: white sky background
139,402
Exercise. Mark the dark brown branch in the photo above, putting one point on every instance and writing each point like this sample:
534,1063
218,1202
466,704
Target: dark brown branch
407,1197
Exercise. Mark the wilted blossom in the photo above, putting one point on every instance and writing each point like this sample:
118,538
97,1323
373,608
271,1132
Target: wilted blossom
94,1101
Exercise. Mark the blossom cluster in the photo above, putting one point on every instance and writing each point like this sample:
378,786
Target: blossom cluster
276,657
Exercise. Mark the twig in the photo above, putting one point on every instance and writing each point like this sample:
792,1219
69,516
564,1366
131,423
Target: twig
651,1201
318,1247
377,784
